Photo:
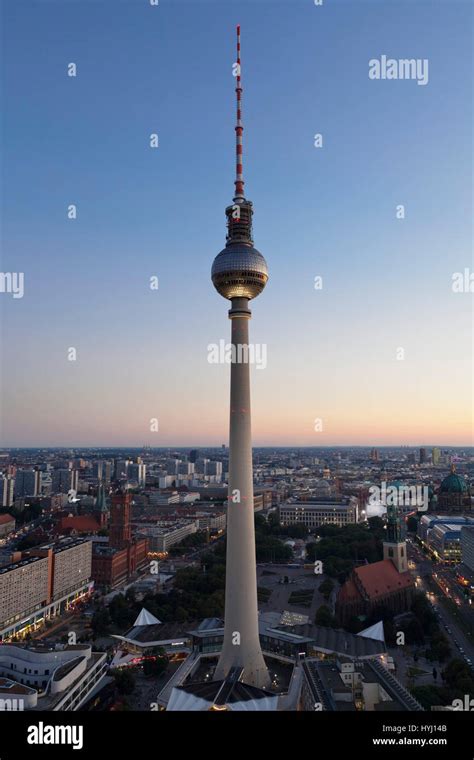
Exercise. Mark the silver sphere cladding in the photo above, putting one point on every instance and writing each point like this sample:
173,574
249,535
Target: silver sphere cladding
239,271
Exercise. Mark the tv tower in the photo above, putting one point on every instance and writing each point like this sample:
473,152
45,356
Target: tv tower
239,273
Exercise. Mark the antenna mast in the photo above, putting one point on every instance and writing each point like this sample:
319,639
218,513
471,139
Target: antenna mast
239,176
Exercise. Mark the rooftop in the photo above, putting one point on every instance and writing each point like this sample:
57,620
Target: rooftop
382,578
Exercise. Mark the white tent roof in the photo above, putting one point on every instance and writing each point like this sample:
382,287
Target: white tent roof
374,632
182,701
146,618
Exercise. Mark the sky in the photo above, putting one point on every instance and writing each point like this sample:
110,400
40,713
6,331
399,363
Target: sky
380,355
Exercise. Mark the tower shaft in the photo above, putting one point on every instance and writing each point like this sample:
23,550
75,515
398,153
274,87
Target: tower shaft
241,636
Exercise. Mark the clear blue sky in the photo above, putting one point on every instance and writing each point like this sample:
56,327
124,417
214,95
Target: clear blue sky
143,212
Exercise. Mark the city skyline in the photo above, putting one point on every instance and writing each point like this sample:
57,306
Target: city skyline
387,283
210,501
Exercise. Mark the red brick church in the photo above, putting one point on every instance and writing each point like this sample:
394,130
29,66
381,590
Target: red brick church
386,584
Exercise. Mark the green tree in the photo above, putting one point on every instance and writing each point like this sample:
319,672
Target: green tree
325,617
101,622
124,680
326,588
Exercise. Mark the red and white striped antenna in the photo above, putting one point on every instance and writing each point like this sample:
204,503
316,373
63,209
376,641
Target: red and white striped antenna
239,173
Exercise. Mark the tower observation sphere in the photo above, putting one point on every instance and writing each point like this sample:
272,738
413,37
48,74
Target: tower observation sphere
239,271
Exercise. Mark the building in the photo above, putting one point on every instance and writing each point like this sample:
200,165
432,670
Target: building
444,543
161,539
435,456
24,590
163,499
239,274
121,469
171,466
201,465
465,570
345,685
102,471
120,530
166,481
320,511
214,469
64,481
374,455
386,584
423,456
7,525
7,490
122,556
137,473
185,468
42,678
441,535
467,546
101,508
72,566
454,494
212,521
428,522
42,583
27,483
74,525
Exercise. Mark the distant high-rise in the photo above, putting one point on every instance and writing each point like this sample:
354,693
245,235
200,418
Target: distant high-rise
193,455
239,273
185,468
201,465
214,468
64,480
171,466
435,456
422,456
102,470
7,489
138,472
121,468
27,483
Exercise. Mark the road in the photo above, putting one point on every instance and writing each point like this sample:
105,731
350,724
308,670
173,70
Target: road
423,569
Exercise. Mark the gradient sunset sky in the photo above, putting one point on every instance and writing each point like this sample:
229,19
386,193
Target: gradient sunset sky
330,212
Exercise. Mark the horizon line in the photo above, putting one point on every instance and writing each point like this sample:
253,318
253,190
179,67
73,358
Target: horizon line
4,449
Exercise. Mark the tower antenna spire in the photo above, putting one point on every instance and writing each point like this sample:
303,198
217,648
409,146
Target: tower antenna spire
239,169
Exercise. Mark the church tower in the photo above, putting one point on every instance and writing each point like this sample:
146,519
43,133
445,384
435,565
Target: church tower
394,547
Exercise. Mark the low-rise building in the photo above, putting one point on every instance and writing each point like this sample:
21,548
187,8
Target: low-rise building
320,511
160,539
42,678
346,685
7,524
